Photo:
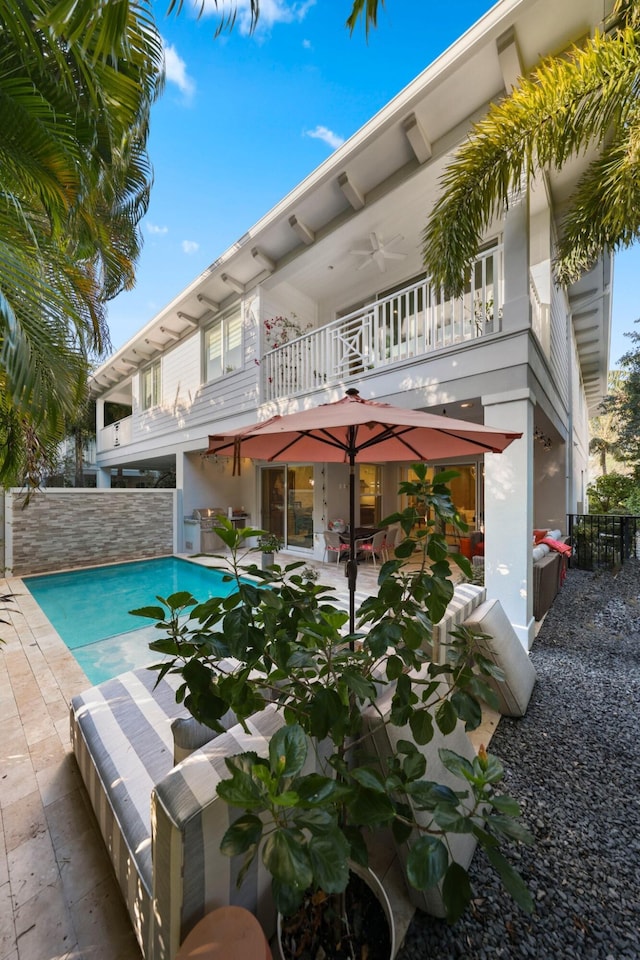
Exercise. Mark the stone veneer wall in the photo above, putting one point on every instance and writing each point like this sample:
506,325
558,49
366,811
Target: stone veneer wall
60,529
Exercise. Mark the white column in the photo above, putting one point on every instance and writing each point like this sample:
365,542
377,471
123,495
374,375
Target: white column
178,503
508,502
516,310
103,478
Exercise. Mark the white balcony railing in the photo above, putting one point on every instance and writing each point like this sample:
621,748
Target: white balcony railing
411,322
115,435
540,317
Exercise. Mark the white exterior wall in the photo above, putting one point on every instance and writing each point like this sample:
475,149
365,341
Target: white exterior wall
577,494
190,408
210,483
559,356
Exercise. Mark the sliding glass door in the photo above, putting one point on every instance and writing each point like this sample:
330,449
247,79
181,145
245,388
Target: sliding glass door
467,491
287,504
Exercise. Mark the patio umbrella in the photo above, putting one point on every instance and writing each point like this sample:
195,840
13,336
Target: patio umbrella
353,430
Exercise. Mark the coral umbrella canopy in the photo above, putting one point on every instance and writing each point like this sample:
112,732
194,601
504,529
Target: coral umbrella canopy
354,430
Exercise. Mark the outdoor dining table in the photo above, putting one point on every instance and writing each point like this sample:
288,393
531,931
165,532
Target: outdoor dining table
360,533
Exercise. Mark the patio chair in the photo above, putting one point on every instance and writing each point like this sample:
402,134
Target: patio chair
390,538
372,546
334,545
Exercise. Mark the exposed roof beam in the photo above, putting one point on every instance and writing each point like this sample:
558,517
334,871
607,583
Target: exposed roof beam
212,304
188,318
152,343
351,192
420,143
265,262
582,319
141,353
579,301
232,282
170,333
509,58
304,232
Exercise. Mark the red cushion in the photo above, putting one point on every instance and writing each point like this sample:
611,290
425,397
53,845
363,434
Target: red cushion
539,535
557,545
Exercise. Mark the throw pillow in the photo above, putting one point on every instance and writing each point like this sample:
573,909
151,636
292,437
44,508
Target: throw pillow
502,646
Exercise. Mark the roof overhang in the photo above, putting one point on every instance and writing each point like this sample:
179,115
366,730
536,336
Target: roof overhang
384,178
590,300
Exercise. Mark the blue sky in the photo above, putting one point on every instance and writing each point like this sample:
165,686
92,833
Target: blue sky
243,119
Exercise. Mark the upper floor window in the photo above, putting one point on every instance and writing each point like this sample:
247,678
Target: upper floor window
223,346
151,386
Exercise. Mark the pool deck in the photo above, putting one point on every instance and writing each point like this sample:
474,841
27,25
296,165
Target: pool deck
59,899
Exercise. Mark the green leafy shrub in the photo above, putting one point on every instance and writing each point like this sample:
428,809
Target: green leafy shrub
292,649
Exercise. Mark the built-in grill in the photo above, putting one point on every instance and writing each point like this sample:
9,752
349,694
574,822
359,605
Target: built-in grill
208,516
199,536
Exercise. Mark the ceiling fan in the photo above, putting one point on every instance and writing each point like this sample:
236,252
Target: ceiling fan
379,251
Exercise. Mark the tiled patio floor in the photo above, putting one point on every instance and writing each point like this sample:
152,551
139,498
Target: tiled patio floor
58,897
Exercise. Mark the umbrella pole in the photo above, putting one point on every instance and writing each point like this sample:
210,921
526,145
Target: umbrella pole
352,562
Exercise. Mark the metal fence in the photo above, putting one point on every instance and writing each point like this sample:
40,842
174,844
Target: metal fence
603,540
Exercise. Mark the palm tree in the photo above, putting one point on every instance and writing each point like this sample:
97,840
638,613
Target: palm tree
76,85
604,433
624,406
586,97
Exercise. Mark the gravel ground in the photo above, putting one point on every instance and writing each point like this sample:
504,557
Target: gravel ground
573,763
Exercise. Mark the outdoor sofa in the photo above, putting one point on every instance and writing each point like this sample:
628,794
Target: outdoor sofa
548,570
162,821
549,567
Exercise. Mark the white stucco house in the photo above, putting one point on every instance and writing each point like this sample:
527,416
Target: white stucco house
339,258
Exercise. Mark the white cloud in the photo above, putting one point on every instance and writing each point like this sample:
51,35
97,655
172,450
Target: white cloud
306,44
323,133
176,70
271,11
155,229
190,246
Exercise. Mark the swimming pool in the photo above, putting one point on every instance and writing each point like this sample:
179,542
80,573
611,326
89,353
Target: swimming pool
90,608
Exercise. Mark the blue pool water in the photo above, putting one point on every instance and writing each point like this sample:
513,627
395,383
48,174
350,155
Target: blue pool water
90,608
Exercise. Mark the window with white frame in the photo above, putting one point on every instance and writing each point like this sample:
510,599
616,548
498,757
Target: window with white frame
223,346
151,386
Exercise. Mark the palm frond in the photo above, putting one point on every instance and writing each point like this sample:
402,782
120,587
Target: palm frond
366,10
568,104
605,209
77,80
227,19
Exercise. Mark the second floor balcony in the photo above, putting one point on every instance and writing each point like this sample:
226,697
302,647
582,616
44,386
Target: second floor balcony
410,322
116,434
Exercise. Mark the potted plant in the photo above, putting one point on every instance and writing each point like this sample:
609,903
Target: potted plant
308,808
268,544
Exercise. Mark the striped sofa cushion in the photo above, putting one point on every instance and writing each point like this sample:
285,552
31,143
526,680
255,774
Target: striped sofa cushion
503,647
121,733
191,875
123,742
466,597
